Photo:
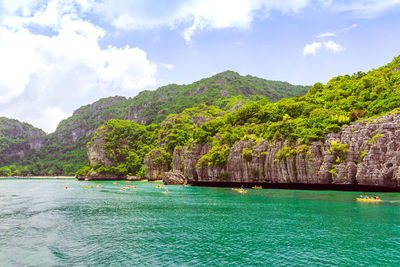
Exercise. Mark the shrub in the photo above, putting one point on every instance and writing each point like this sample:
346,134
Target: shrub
223,176
372,140
339,150
247,154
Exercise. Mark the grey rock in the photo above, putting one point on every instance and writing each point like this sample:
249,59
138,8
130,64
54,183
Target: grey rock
174,178
377,140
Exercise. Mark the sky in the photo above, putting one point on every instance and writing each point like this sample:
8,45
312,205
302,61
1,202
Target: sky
57,55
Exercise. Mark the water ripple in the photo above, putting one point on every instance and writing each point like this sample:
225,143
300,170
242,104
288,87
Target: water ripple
42,224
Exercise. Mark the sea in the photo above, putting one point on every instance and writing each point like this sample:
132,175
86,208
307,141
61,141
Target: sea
53,222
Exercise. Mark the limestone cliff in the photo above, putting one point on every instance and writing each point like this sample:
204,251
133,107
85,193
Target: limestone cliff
155,165
363,153
96,152
17,139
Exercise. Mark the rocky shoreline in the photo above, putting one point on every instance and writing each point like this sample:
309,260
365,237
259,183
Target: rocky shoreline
362,156
365,153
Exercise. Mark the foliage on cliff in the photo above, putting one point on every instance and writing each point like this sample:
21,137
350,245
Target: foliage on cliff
154,106
64,151
325,109
17,139
126,145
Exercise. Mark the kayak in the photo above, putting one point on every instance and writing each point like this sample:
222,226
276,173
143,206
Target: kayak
371,200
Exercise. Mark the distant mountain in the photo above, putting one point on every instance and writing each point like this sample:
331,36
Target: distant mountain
18,139
153,106
64,151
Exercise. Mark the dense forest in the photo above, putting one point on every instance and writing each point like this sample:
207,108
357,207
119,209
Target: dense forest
301,119
64,151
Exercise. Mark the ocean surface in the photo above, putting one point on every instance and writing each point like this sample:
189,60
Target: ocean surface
44,224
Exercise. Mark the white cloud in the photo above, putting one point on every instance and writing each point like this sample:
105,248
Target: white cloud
312,49
167,66
340,31
332,46
193,15
367,8
346,29
326,34
42,75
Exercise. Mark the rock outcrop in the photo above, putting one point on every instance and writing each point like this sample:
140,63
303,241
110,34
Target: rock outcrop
363,153
155,165
17,139
173,178
96,152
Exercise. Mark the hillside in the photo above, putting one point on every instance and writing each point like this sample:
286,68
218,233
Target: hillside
153,106
17,139
64,151
314,127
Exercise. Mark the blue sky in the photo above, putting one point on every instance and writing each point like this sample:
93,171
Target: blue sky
58,55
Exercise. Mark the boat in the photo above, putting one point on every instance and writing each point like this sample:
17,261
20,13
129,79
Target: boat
240,190
369,199
257,187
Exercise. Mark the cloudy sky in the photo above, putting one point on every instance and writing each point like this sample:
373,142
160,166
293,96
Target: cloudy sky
56,55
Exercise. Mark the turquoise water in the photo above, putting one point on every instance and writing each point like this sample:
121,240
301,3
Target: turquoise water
43,224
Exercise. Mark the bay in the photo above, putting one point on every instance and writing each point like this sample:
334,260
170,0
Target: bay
44,224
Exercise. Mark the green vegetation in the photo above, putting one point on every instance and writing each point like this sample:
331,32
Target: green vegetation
372,140
224,109
363,154
339,151
286,152
154,106
247,154
17,140
64,151
325,109
126,145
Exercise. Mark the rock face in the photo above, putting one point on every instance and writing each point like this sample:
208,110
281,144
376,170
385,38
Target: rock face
363,153
79,128
18,138
154,169
96,152
171,178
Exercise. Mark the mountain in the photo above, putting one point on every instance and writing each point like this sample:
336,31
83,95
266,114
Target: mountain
153,106
17,139
342,133
64,151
